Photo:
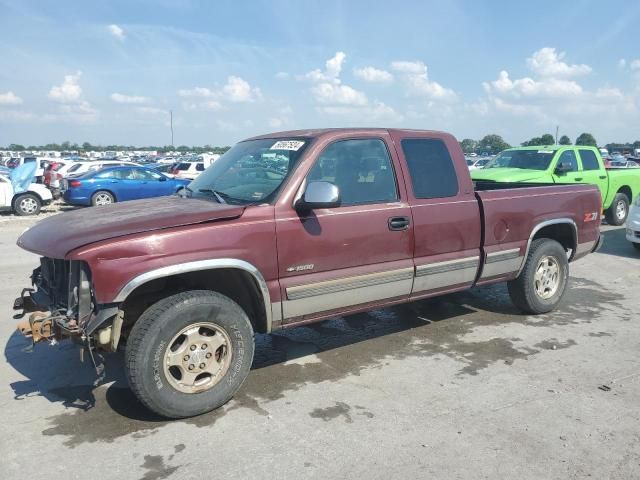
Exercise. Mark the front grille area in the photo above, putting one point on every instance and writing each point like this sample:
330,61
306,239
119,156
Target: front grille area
52,282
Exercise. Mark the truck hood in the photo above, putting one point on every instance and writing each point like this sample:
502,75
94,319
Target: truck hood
56,236
22,176
510,175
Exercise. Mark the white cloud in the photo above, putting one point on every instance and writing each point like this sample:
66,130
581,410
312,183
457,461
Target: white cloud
551,97
548,62
417,77
622,63
210,104
239,90
151,111
73,107
528,87
275,122
409,67
235,90
367,114
116,31
329,93
372,74
328,89
68,92
332,70
282,75
635,64
196,92
121,98
17,116
10,98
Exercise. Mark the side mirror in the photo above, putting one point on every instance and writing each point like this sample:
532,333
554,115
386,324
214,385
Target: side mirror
162,178
319,195
563,167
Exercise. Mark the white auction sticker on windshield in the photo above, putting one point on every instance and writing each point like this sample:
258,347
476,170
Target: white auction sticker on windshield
545,151
287,145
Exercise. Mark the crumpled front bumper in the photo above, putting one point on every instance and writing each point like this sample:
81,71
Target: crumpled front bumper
42,324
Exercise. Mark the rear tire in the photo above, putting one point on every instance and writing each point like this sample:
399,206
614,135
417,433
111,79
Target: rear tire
636,245
618,212
27,204
189,353
543,280
102,197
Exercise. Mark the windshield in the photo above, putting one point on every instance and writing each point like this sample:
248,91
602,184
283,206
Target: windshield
525,159
251,172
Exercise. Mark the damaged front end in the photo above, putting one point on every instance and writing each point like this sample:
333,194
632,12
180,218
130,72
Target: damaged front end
61,305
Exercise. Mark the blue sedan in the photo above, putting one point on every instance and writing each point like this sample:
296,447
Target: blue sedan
119,184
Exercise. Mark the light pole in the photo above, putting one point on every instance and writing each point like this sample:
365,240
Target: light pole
171,125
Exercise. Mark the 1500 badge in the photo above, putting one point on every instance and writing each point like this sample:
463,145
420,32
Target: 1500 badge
300,268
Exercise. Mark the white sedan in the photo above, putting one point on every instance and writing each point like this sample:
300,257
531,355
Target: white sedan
25,203
633,224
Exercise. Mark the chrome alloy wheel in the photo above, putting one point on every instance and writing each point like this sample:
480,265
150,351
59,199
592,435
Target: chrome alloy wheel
547,277
103,199
197,357
621,210
28,205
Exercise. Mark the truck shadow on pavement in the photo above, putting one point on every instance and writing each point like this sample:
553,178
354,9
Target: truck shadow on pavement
103,408
614,242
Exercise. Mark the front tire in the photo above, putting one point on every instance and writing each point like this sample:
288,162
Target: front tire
102,197
543,280
27,204
189,353
636,245
618,212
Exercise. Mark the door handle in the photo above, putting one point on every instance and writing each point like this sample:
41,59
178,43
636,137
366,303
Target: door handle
578,179
399,223
602,177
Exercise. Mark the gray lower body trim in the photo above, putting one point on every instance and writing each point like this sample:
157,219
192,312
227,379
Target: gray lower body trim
586,247
345,292
502,262
445,274
276,312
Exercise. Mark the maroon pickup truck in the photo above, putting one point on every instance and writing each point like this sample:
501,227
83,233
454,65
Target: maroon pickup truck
287,229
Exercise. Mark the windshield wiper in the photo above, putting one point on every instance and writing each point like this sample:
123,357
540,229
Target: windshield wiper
219,195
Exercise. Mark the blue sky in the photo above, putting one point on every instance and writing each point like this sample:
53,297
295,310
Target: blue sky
109,72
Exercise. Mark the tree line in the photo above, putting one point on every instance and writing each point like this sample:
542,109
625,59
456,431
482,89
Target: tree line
488,144
88,147
495,143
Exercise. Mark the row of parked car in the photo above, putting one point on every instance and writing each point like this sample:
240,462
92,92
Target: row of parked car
28,183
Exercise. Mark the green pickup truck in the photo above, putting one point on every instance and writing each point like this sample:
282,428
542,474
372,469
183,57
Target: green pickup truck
566,164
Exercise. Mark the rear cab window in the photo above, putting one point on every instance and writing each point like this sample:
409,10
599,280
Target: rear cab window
431,168
589,159
183,166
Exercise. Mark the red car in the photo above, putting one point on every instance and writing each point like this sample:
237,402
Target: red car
287,229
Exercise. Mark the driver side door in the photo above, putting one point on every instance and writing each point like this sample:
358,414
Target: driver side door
354,255
572,176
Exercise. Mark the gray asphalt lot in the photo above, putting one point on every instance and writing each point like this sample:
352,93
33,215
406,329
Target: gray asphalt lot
457,387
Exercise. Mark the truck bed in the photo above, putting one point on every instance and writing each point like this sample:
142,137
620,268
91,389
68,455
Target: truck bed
484,185
511,217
